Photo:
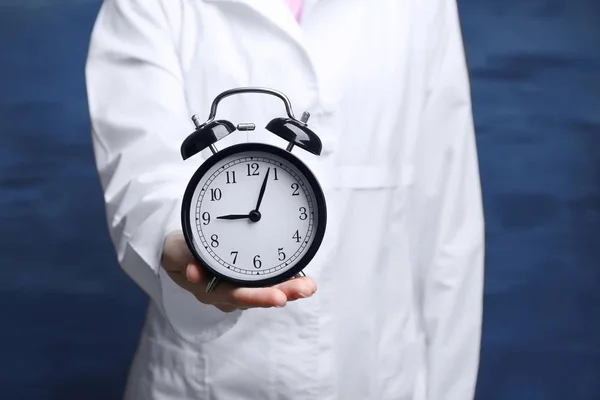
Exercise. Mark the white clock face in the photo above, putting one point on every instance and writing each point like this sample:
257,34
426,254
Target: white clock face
238,240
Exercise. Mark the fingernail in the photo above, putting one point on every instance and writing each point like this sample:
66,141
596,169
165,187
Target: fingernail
187,272
301,295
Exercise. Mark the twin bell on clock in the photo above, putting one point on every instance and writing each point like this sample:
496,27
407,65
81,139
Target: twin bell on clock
253,214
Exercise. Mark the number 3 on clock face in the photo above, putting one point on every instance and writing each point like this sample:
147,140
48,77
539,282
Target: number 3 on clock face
254,214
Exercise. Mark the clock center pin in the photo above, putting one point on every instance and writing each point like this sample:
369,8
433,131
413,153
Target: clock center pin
255,216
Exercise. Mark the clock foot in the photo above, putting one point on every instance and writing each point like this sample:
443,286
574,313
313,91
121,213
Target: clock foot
300,274
212,284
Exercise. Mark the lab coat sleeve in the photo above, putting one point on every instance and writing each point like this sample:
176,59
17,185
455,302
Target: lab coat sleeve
447,216
139,119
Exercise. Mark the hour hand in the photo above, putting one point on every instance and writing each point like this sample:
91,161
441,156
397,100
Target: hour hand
234,216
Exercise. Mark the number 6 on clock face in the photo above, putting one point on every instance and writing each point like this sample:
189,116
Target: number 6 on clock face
254,214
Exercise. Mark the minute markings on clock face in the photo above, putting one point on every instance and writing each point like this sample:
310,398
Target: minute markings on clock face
253,249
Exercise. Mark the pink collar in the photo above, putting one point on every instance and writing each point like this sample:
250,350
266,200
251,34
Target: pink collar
296,8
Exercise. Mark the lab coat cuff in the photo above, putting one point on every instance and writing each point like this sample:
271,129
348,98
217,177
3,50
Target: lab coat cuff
174,222
193,321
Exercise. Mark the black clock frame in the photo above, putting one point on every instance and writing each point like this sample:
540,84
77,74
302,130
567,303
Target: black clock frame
312,181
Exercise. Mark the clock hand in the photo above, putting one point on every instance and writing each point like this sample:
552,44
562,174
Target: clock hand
262,190
234,216
254,216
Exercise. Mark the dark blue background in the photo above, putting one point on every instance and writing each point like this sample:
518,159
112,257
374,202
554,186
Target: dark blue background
70,317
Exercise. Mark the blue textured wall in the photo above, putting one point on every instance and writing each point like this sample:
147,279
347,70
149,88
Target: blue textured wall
535,68
70,318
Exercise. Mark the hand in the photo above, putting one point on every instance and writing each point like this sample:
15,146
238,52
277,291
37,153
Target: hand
262,190
185,272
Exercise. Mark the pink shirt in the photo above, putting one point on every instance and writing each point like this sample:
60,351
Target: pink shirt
296,7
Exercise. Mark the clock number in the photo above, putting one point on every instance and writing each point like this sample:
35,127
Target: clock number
252,169
303,214
275,172
215,194
297,237
281,254
296,192
231,178
257,262
214,241
206,218
234,254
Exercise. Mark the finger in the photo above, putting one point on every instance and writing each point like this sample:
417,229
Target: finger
189,281
259,297
298,288
194,273
226,297
248,297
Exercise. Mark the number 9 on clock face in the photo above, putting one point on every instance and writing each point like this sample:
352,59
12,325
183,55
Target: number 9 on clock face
254,215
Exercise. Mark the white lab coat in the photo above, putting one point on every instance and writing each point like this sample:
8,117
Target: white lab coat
400,273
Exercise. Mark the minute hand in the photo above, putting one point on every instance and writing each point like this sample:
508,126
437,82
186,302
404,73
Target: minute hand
262,189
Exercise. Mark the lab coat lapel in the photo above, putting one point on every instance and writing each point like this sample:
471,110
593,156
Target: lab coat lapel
275,11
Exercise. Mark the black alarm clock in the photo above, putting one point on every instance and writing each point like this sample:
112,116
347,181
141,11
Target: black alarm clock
253,214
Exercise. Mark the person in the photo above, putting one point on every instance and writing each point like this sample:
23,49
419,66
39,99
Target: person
398,310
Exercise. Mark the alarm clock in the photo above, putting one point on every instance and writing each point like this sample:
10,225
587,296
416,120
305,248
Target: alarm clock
253,214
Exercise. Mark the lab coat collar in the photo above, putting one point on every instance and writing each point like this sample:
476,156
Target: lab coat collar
277,12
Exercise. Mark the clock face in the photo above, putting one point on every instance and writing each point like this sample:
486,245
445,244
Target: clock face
253,213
